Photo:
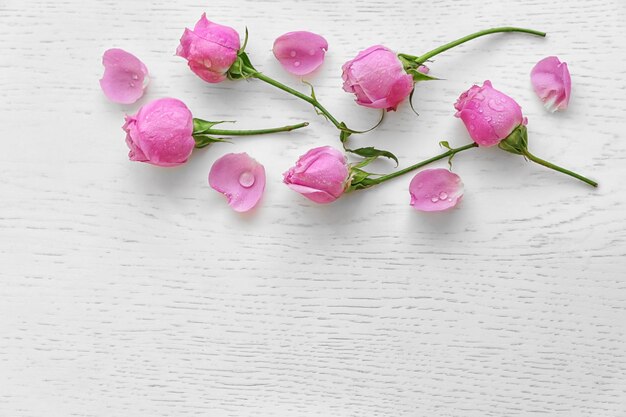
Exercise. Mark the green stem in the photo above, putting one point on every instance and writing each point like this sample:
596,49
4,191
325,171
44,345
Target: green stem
301,96
228,132
559,169
447,154
421,59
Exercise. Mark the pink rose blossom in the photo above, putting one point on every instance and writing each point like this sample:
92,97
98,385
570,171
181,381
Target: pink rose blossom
435,190
377,78
125,76
320,175
488,114
552,83
160,133
240,178
210,49
300,53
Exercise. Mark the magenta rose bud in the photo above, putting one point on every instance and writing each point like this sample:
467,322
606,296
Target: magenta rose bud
552,83
160,133
210,49
377,78
488,114
320,175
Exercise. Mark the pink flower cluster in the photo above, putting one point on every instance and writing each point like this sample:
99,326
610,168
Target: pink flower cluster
164,133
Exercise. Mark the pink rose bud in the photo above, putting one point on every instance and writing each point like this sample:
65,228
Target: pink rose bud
160,133
210,49
488,114
300,53
435,190
125,76
377,78
320,175
552,83
240,178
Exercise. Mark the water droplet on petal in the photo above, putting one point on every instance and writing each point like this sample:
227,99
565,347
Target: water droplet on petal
312,52
443,195
420,185
450,200
135,77
472,127
472,116
480,110
246,179
494,105
292,53
132,84
207,63
296,64
434,199
479,96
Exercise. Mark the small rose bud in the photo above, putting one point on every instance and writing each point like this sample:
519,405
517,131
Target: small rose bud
210,49
377,78
488,114
435,190
300,53
552,83
320,175
240,178
125,76
160,133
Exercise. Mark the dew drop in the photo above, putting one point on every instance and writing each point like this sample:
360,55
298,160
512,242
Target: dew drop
312,52
434,199
479,97
443,195
135,77
494,105
419,185
207,63
450,200
292,53
132,84
472,116
246,179
472,127
296,64
480,110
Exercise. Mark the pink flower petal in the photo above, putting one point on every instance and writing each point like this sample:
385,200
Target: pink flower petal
240,178
435,190
125,76
551,81
300,53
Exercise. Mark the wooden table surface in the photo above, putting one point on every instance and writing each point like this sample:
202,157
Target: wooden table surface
131,290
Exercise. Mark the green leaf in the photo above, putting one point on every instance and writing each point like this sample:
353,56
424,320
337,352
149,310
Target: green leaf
419,76
445,144
371,152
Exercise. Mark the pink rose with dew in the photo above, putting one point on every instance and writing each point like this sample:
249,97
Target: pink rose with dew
552,83
321,175
300,53
488,114
160,133
377,78
125,77
210,49
435,190
240,178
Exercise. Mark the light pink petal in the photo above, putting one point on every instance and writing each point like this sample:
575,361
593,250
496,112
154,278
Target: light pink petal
125,76
435,190
552,82
300,53
240,178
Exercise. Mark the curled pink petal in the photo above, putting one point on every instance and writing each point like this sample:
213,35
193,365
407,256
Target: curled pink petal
240,178
300,53
125,76
435,190
552,82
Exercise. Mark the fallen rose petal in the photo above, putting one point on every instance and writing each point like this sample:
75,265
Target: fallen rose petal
240,178
552,83
125,76
435,190
300,53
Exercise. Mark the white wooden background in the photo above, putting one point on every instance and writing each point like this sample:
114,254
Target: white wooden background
129,290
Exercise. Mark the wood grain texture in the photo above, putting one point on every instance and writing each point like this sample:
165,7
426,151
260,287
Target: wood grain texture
128,290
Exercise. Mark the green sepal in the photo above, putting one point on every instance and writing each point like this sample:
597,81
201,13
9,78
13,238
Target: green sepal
202,126
242,68
420,76
202,141
371,152
359,179
516,142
